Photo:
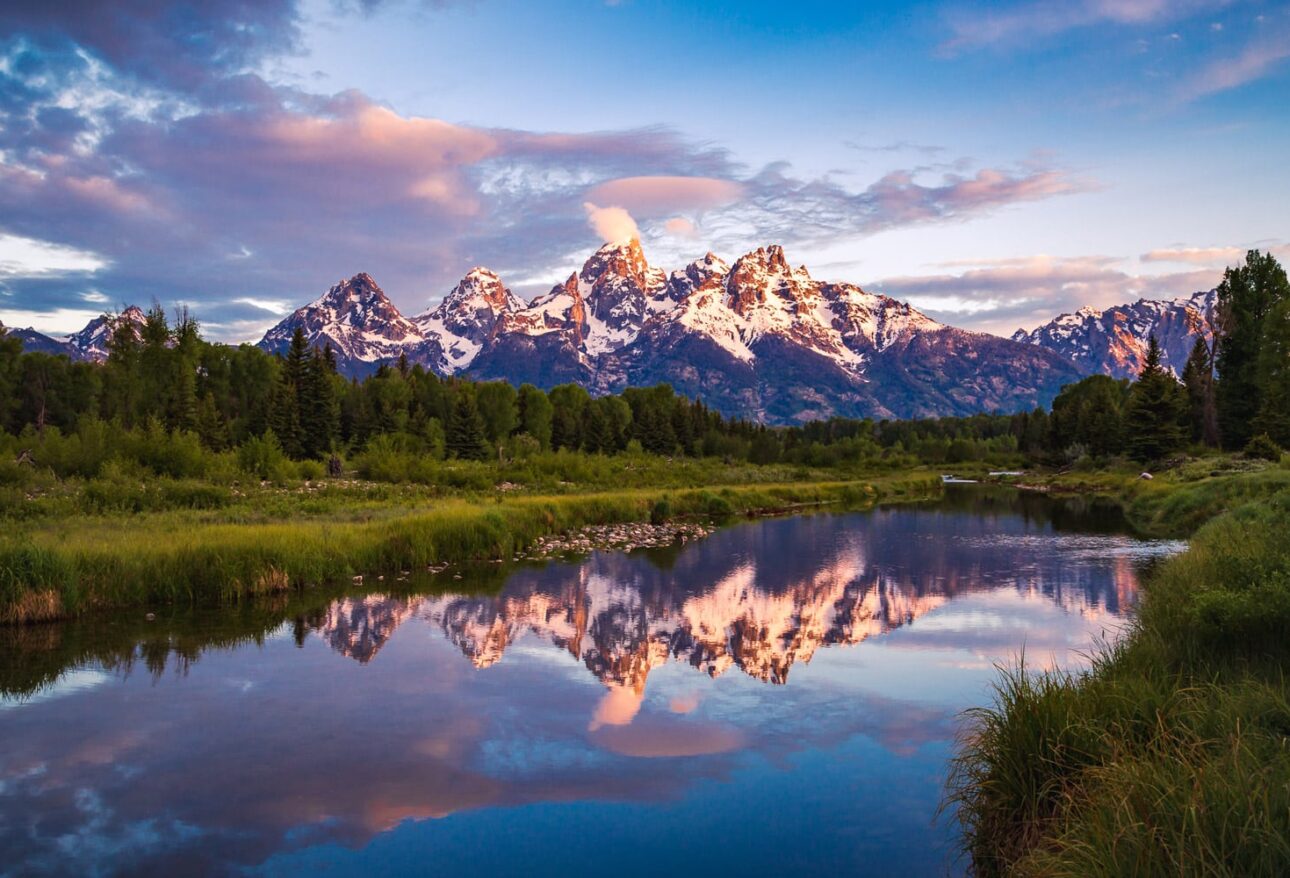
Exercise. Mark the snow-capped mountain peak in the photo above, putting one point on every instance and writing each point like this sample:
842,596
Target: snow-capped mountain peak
1113,341
356,318
92,342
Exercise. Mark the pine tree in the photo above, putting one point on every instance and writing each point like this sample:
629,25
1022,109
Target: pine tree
284,417
1154,413
211,426
1274,376
1247,294
1198,379
465,439
316,402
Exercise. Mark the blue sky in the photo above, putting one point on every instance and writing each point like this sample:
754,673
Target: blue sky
995,164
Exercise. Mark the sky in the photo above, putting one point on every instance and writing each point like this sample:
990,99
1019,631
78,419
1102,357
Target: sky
995,164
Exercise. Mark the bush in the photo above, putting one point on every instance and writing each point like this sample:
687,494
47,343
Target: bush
262,457
661,512
1261,447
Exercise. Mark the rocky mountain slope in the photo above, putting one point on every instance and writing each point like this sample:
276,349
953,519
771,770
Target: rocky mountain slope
758,338
1114,341
88,345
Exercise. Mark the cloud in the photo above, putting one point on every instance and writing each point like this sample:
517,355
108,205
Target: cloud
655,196
190,177
27,257
612,224
178,46
1255,61
681,227
974,27
1211,256
1000,296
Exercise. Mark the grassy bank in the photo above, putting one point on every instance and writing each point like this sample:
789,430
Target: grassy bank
65,565
1177,501
1172,755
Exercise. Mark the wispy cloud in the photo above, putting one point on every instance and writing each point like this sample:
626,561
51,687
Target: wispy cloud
977,27
1256,60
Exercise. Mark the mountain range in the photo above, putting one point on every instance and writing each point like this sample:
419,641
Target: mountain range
758,338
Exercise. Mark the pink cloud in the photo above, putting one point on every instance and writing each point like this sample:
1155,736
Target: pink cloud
646,196
1254,62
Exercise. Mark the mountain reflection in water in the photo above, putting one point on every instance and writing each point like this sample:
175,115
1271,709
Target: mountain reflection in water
687,707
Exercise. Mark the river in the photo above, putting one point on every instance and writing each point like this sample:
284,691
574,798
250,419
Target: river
780,698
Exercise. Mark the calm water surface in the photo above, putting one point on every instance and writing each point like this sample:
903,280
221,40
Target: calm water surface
778,699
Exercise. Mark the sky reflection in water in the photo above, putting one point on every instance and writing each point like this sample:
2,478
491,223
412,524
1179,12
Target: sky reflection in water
780,697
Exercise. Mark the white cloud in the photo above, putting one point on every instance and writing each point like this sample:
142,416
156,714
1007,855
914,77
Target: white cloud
29,257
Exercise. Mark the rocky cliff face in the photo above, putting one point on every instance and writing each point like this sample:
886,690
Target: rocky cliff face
1114,341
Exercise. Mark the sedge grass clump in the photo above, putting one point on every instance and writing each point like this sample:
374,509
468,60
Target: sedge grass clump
1171,756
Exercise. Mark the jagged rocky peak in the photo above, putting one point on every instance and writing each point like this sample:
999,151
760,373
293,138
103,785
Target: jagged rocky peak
482,287
761,274
360,303
91,343
1114,340
620,259
704,272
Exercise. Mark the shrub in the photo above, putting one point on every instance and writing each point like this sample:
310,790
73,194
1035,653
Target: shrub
661,512
1261,447
262,456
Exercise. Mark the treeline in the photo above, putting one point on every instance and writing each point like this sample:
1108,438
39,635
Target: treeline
1234,394
163,386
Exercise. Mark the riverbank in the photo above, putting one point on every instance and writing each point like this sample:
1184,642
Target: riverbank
1172,755
61,566
1174,502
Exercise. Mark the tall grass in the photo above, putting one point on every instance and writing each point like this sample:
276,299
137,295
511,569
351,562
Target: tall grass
1171,756
178,557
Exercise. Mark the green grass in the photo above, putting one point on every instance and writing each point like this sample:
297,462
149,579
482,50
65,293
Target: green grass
1175,502
67,565
1171,756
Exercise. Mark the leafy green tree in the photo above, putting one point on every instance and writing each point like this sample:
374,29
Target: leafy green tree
1154,414
1089,413
1247,294
465,433
535,412
1198,379
497,406
568,402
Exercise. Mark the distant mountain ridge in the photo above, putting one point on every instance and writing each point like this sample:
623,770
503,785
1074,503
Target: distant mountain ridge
88,345
1114,341
758,338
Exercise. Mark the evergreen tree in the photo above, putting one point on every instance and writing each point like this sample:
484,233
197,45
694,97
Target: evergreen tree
1155,409
465,434
316,402
1247,294
210,425
1274,376
1198,379
284,418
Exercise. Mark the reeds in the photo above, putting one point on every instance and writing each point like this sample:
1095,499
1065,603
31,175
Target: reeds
1171,756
